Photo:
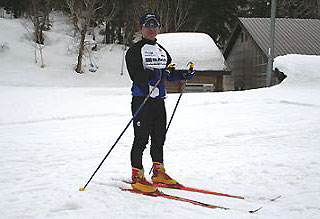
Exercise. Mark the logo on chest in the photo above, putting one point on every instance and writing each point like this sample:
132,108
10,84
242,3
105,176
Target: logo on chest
154,57
155,60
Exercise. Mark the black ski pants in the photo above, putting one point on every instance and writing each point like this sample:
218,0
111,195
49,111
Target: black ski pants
151,121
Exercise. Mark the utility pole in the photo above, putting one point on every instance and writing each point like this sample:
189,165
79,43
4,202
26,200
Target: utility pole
271,44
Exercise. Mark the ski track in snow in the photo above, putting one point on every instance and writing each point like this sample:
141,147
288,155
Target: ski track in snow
52,158
59,119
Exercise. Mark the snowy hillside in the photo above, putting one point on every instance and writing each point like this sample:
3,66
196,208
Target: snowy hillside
56,126
60,58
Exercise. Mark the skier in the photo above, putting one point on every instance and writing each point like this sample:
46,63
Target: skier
148,64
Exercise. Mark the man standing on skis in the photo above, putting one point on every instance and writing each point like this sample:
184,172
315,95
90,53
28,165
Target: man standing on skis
149,64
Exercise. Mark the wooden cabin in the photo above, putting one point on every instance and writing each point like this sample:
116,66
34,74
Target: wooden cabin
246,52
200,49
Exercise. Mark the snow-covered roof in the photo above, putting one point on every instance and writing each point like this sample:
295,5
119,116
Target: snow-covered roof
196,47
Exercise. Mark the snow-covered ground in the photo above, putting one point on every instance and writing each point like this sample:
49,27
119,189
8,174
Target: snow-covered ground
56,126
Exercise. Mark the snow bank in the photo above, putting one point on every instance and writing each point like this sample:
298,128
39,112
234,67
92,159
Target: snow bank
196,47
302,70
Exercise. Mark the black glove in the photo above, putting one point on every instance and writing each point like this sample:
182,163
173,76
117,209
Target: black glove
171,67
189,74
168,70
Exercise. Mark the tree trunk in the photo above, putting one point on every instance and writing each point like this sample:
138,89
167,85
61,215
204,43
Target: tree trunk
106,33
81,49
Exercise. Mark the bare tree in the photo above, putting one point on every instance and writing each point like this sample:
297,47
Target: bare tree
173,13
39,15
108,13
182,9
82,13
35,18
73,14
2,12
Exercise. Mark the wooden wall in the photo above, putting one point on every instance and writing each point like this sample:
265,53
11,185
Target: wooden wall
214,78
247,63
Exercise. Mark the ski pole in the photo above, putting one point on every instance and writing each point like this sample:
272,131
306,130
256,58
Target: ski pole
181,92
81,189
175,108
178,101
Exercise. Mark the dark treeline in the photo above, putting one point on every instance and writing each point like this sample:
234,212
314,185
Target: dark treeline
120,17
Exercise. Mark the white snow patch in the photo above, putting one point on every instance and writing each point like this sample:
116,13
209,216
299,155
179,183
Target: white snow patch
196,47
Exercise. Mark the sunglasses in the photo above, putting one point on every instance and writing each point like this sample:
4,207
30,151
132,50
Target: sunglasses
151,24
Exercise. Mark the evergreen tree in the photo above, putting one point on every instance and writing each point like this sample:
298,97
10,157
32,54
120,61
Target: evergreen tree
16,7
298,9
215,18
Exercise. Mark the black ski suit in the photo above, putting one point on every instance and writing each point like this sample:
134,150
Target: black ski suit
146,60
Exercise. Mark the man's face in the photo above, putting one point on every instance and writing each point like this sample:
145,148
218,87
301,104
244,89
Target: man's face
150,30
